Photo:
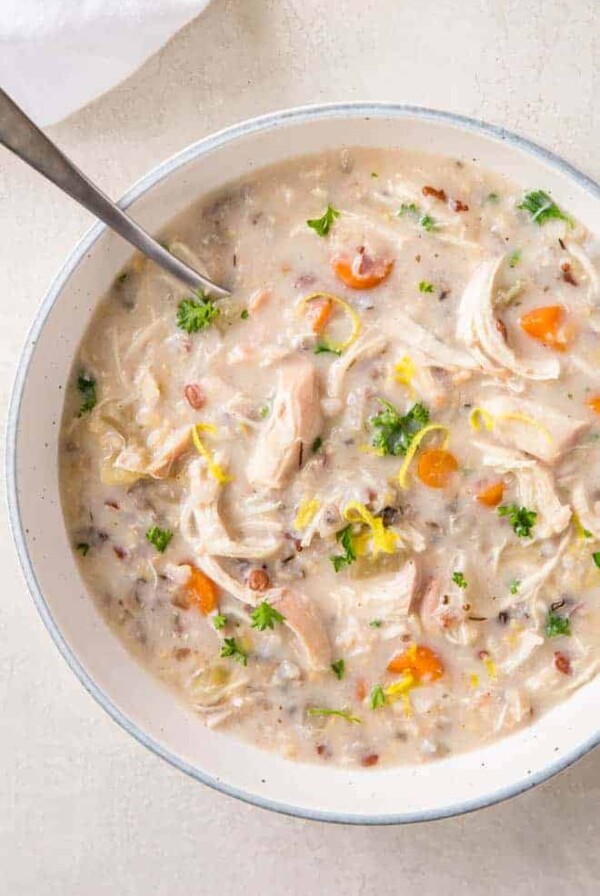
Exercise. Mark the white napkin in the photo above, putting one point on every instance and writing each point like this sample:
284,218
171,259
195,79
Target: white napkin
57,55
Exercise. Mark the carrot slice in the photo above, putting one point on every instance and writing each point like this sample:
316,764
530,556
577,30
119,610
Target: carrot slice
594,403
492,495
201,592
362,271
435,467
545,325
421,661
321,312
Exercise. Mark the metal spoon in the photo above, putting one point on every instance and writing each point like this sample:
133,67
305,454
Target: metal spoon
19,134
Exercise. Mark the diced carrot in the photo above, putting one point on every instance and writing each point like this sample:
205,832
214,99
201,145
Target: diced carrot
361,689
362,272
423,662
546,325
594,403
201,592
492,494
435,467
320,313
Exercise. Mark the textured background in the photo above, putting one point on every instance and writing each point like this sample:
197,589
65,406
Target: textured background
83,808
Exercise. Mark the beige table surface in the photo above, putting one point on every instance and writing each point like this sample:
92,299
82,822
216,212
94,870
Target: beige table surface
83,808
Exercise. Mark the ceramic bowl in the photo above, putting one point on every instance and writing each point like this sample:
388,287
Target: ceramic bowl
136,700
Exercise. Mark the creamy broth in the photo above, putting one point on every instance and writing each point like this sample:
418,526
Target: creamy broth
351,512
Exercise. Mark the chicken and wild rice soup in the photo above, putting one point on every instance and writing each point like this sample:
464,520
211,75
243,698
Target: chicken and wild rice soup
351,512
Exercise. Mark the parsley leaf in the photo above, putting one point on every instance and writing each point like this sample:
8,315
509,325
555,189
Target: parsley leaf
322,347
322,225
346,539
339,668
392,434
230,648
87,388
245,314
375,623
342,713
459,579
557,625
521,519
514,586
425,286
596,558
316,445
428,223
196,314
219,621
411,209
514,258
542,208
264,411
160,538
82,547
265,616
377,697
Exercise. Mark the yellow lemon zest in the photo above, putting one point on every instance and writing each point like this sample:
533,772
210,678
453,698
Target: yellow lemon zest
306,513
525,418
370,449
216,470
384,541
361,543
404,372
354,318
490,668
480,414
414,447
398,688
474,680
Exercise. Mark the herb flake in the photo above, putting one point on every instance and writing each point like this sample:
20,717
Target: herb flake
196,314
265,616
339,669
160,538
393,433
219,621
230,648
377,697
425,286
344,537
542,208
323,225
521,519
341,713
459,579
86,386
557,625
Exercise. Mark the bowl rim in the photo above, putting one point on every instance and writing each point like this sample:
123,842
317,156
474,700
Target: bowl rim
269,121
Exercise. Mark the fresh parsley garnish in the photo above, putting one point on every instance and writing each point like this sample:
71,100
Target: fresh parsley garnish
196,314
322,225
542,208
245,314
514,258
160,538
375,623
230,648
316,445
411,209
342,713
338,668
393,433
82,547
587,533
264,411
428,223
459,579
344,537
87,388
377,697
557,625
265,616
514,586
219,621
521,519
425,286
596,558
322,348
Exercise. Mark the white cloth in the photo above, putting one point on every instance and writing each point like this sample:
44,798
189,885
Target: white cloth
57,55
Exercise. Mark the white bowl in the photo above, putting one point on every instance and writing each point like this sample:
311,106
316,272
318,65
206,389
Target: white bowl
136,700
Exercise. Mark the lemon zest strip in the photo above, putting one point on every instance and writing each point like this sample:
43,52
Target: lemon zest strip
384,541
480,414
306,513
354,318
216,470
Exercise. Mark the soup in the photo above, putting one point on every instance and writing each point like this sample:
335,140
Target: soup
350,513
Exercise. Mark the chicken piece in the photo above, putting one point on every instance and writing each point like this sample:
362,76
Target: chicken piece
535,487
203,528
533,428
391,596
427,349
295,421
477,327
587,513
368,346
304,620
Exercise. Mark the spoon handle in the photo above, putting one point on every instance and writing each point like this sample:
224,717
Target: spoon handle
19,134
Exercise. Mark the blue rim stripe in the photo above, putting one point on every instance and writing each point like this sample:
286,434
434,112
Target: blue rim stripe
158,174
